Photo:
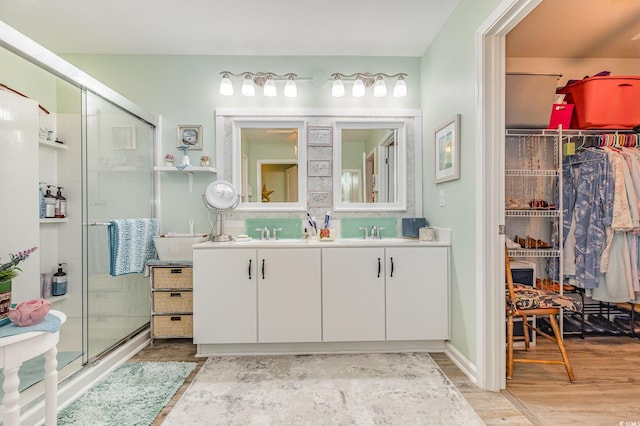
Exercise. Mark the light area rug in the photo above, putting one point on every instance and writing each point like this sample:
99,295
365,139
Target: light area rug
343,389
131,395
32,371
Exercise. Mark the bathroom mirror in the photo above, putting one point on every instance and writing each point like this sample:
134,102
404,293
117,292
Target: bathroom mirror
270,165
369,166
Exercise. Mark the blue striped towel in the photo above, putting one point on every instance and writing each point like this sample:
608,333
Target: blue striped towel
131,244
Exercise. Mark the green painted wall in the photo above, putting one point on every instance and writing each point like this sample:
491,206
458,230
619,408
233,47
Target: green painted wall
184,90
448,76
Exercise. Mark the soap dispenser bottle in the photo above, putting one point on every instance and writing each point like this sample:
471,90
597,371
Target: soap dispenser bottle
43,206
61,204
59,285
50,203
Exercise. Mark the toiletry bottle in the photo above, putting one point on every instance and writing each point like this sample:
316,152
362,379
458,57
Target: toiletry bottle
305,234
59,286
43,207
50,203
61,204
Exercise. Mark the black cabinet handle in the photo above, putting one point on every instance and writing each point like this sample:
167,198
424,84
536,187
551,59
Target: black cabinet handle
379,267
263,269
392,266
250,268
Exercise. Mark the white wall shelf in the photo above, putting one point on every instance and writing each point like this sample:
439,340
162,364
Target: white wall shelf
54,299
55,220
54,145
189,170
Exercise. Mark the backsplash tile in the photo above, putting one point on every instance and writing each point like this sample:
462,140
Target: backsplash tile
291,227
350,226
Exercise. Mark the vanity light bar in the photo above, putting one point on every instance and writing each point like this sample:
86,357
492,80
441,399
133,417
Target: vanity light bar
362,80
266,80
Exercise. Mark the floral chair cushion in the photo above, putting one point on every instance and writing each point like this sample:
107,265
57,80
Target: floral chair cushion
528,297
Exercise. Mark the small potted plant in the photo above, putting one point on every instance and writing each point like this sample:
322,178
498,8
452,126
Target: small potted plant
9,271
205,161
168,160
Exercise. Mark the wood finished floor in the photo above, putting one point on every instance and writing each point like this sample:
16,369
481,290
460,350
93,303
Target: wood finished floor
607,391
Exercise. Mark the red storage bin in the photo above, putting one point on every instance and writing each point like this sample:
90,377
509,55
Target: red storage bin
607,102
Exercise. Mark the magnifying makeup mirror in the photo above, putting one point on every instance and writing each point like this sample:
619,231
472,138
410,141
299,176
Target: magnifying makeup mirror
220,196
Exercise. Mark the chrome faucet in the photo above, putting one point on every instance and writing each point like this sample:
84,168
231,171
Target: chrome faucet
264,233
366,232
275,230
375,232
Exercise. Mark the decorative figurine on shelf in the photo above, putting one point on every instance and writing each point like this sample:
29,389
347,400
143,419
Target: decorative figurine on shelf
168,160
186,162
205,161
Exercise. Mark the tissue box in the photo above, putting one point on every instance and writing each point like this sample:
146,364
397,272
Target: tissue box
177,247
411,225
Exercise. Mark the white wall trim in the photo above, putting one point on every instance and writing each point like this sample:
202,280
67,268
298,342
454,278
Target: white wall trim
490,84
466,366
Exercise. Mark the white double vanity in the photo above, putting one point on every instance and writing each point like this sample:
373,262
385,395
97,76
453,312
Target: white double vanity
300,296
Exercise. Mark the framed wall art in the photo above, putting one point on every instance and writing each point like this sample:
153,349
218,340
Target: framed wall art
447,150
190,136
123,137
319,168
319,136
319,198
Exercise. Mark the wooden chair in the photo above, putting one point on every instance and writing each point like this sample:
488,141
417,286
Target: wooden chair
526,301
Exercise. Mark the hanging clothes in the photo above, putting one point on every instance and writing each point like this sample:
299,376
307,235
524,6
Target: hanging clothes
587,203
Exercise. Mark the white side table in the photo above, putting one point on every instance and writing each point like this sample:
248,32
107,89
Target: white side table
14,350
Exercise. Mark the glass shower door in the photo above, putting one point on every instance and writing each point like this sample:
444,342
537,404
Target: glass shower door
118,171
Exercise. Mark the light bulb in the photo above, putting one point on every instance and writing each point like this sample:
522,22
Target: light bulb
380,88
226,88
400,89
358,88
290,88
248,89
337,90
270,88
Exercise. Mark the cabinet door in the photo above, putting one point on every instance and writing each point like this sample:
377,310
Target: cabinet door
353,294
417,289
289,300
224,296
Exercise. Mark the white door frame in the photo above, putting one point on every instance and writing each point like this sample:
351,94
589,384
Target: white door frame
490,84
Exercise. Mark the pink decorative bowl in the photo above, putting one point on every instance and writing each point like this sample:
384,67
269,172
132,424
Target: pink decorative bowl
31,312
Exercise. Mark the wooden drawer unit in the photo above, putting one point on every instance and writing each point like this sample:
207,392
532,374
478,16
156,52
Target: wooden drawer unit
171,301
172,277
172,326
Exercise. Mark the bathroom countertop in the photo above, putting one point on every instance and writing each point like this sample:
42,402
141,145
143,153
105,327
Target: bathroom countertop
348,242
158,262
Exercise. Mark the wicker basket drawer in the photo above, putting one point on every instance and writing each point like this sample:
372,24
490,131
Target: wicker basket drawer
173,301
172,326
175,277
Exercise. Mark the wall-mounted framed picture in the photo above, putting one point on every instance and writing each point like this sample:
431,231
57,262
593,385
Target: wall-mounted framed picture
319,168
447,150
123,137
319,198
190,136
319,136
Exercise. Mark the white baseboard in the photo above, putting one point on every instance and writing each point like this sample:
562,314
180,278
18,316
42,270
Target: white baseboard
77,384
467,367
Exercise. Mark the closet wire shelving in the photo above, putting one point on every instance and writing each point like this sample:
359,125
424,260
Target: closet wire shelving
599,310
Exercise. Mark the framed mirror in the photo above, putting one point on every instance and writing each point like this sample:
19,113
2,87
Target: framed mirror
269,160
370,166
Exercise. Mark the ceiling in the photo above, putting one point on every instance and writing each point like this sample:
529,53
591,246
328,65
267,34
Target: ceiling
214,27
556,28
578,29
